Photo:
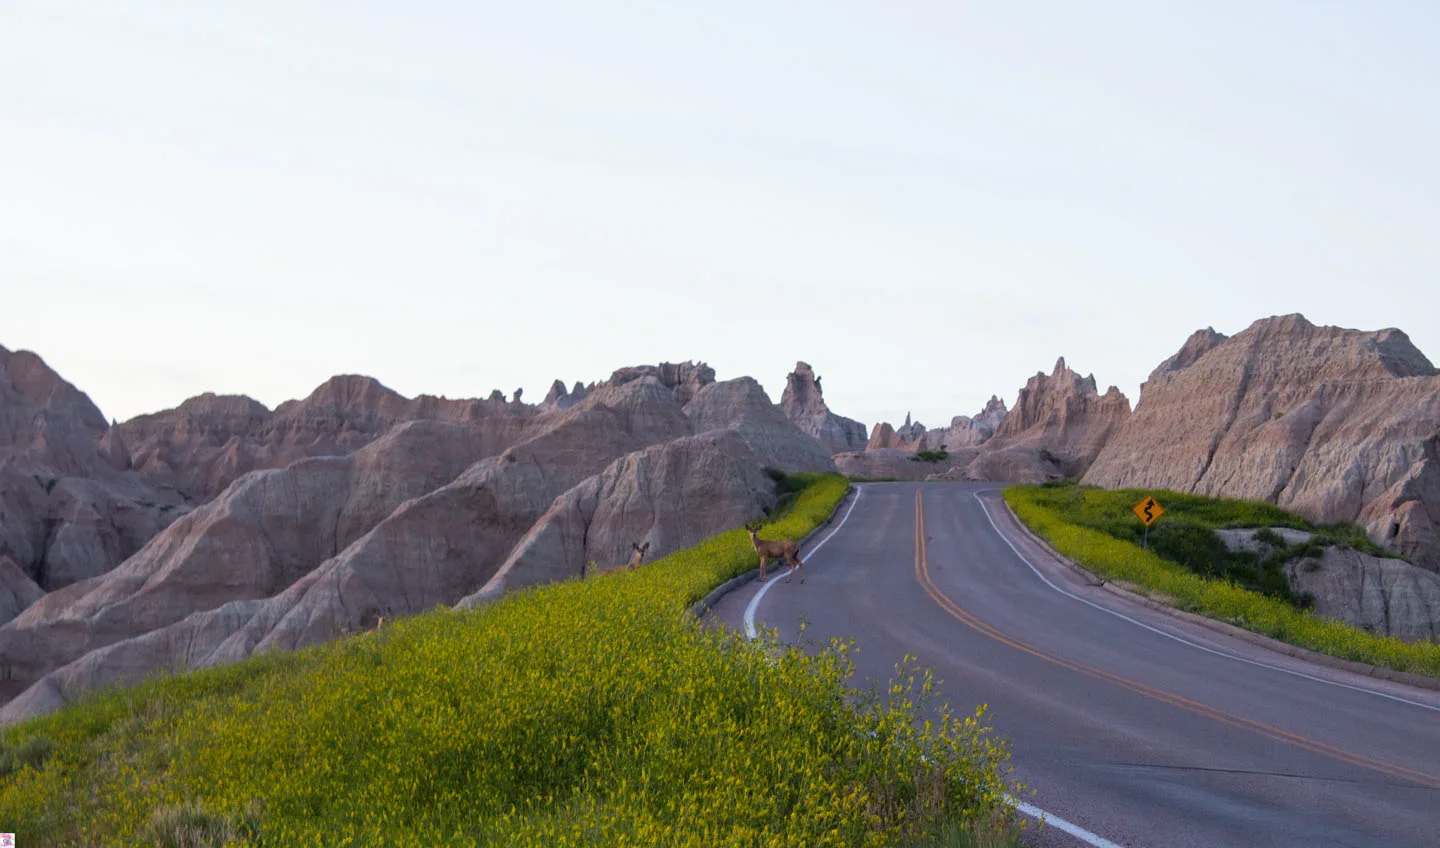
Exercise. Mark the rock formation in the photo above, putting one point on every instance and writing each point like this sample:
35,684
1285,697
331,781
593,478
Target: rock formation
67,511
909,437
17,590
560,397
1059,420
966,432
884,437
266,531
963,432
1334,424
289,557
910,432
743,406
208,441
1381,595
804,404
685,378
555,395
1058,426
670,496
902,464
1385,596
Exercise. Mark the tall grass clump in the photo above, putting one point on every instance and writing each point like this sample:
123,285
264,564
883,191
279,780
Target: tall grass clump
594,712
1067,518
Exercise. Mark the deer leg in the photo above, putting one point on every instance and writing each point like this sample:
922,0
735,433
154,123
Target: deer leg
763,559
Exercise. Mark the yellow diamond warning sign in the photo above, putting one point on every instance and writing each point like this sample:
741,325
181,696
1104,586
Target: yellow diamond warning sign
1149,510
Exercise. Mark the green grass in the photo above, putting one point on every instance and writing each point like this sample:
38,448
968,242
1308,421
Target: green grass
1070,519
580,713
1185,533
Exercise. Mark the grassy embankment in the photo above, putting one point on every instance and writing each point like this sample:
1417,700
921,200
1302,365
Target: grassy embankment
581,713
1189,567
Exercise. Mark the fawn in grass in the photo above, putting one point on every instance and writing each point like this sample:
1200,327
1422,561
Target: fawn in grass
785,550
635,560
639,556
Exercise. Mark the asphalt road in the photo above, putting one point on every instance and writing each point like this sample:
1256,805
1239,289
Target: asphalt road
1138,728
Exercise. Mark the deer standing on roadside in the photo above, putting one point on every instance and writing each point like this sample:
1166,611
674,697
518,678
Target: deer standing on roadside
639,555
785,550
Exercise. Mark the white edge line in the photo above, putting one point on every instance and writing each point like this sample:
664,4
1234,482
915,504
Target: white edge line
1034,812
1181,639
754,605
1052,820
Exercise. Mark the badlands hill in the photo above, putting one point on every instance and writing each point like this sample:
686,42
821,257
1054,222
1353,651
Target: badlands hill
221,528
1334,424
205,533
1057,427
1331,423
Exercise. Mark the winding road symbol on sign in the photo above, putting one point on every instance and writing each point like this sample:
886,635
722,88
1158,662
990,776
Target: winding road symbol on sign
1149,510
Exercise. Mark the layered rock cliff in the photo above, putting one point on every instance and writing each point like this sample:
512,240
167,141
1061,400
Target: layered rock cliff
429,508
804,404
1056,429
67,512
208,441
1332,423
966,431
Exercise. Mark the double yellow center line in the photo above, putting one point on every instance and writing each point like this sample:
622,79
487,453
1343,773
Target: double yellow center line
922,575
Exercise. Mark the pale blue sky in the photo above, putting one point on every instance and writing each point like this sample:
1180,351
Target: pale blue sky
928,201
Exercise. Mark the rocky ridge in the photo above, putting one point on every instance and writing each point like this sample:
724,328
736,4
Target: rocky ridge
1057,427
1331,423
67,512
428,510
208,441
804,404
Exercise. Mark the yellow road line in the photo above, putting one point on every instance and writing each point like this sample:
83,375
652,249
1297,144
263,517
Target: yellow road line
922,575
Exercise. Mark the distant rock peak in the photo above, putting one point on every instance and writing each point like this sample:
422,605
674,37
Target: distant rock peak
803,402
685,378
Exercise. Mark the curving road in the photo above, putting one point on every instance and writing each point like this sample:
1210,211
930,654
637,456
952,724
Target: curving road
1134,727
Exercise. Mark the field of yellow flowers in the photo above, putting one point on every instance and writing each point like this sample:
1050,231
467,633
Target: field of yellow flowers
580,713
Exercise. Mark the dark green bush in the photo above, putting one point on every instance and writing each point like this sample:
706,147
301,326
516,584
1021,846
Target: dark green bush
32,752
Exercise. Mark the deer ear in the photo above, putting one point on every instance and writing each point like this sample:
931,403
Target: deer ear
646,548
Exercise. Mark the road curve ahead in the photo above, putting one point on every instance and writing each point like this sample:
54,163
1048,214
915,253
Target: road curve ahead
1133,726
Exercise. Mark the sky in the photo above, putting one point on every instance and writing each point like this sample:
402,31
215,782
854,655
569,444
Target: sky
929,202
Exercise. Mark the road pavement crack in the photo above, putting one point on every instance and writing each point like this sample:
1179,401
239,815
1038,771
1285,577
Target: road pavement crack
1264,773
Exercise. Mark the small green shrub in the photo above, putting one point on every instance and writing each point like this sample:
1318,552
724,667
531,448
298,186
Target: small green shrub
930,456
1347,534
32,753
1062,483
